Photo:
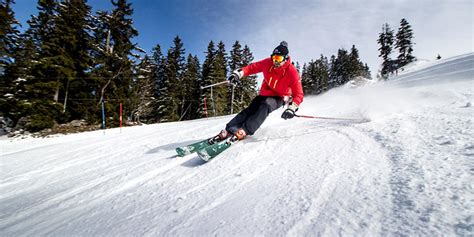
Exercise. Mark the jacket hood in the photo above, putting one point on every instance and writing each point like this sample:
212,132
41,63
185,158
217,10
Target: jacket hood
288,62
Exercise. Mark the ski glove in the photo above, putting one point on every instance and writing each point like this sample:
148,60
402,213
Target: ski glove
289,113
234,78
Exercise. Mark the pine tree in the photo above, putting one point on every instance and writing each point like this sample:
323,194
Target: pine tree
9,32
143,100
42,109
386,43
247,89
164,110
113,70
332,73
236,57
206,99
308,78
321,75
157,61
41,26
235,62
237,92
305,79
196,110
357,68
367,73
219,74
404,43
105,66
9,49
190,88
315,76
343,70
172,96
15,103
73,38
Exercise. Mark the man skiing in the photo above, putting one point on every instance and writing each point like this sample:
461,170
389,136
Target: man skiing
281,81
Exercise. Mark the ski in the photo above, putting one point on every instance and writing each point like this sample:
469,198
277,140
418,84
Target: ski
212,151
191,148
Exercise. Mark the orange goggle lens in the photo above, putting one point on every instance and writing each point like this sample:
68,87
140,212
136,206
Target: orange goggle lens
277,58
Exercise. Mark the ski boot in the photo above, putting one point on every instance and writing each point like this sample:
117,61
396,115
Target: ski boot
238,135
219,137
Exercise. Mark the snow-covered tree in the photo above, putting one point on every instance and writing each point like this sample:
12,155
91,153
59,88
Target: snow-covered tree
114,68
171,95
321,75
10,51
342,67
332,73
315,76
385,41
307,79
72,37
404,43
143,100
157,67
42,85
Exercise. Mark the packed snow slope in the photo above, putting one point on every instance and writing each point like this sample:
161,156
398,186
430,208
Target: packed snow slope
407,172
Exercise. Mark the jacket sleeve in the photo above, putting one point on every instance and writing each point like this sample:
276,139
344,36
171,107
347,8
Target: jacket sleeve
297,89
255,68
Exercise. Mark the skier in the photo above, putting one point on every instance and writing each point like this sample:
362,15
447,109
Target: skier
281,81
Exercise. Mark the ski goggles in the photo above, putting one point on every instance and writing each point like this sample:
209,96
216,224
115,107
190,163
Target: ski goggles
278,58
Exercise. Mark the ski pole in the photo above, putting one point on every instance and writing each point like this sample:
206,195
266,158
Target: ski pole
328,118
215,84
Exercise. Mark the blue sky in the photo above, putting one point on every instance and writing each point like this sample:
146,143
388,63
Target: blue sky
311,27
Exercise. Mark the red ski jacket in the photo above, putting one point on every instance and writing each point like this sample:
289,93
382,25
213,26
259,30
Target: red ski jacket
282,81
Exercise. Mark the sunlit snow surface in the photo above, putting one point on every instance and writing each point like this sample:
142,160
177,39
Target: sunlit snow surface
406,172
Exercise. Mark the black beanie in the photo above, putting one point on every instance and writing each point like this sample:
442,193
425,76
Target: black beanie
281,49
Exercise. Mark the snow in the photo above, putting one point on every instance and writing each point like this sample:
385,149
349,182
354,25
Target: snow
406,172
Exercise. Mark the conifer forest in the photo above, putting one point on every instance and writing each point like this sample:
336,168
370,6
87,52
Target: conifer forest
69,63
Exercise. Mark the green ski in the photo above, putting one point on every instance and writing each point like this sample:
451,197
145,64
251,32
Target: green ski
191,148
212,151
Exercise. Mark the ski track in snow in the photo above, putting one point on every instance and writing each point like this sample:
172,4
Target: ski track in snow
425,175
407,172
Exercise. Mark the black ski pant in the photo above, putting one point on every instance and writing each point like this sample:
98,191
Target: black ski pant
255,114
